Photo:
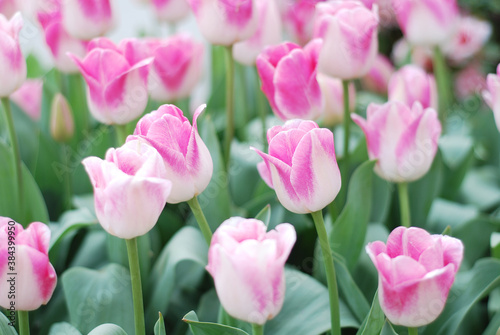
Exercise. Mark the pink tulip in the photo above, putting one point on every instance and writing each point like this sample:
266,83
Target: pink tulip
403,53
416,271
298,19
12,63
187,159
427,22
24,258
8,7
350,42
87,19
470,81
411,84
402,139
29,98
171,10
377,79
247,265
117,86
301,166
225,22
130,188
268,33
332,92
492,94
288,75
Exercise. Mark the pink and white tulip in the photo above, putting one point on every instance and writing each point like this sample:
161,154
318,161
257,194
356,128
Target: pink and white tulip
416,271
186,158
427,22
171,10
301,166
411,84
377,79
29,98
332,92
288,75
130,188
298,19
470,81
225,22
247,264
404,140
9,7
350,42
117,85
35,278
12,63
492,94
403,53
87,19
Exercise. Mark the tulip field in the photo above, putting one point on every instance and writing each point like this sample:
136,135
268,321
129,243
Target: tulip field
250,167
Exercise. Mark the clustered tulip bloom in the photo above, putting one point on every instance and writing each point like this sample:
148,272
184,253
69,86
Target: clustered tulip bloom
411,84
12,63
247,264
377,79
130,188
416,271
87,19
171,10
332,93
298,19
402,139
36,278
301,166
492,94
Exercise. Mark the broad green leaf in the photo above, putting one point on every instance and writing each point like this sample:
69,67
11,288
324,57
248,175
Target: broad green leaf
244,176
5,328
381,199
108,329
264,215
495,245
208,328
374,321
63,328
447,213
97,297
493,326
70,221
476,234
91,251
160,326
387,329
458,156
480,188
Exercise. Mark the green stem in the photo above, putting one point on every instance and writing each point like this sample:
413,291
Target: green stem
261,105
412,331
442,75
135,277
121,134
404,204
229,104
67,177
330,271
200,218
347,130
257,329
24,322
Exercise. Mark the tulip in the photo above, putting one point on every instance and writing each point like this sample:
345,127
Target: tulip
416,271
402,139
247,265
29,98
268,33
8,7
427,22
298,19
288,75
411,84
35,278
130,188
470,81
301,166
333,103
225,22
403,53
87,19
492,94
62,125
377,79
12,63
349,33
186,158
117,85
171,10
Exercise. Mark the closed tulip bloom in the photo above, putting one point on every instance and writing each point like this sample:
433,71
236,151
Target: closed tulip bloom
87,19
171,10
186,158
35,278
492,94
117,85
247,264
350,42
470,81
130,188
377,79
403,52
333,99
427,22
301,166
403,140
298,19
411,84
288,75
8,7
225,22
416,271
29,98
12,63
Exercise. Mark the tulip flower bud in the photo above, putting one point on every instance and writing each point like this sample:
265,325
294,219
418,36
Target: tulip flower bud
12,63
298,19
62,126
492,94
171,10
411,84
377,79
332,92
87,19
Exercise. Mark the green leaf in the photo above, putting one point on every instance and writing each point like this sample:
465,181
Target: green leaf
446,213
480,188
5,328
493,326
63,328
470,287
97,297
208,328
495,245
374,321
160,326
387,329
108,329
70,221
264,215
349,230
244,177
381,199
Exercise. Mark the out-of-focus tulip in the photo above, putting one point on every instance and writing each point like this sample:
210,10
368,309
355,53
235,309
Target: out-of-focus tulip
186,158
416,271
12,63
301,166
29,98
171,10
268,33
410,84
470,81
492,94
62,126
117,86
332,92
403,54
350,42
130,188
288,75
247,265
35,278
8,7
225,22
298,19
427,22
403,140
87,19
377,79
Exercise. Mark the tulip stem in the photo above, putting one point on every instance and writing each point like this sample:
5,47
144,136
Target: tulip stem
330,271
347,128
442,81
24,322
404,204
135,277
200,218
261,100
412,331
257,329
229,105
121,134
